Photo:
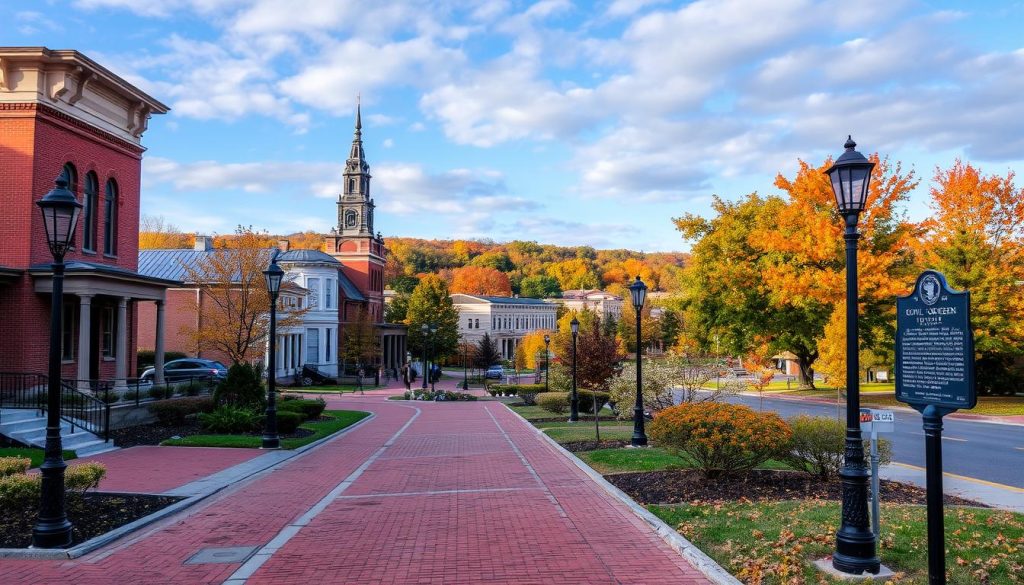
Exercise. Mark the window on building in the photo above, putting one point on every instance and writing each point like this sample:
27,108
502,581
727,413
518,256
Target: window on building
313,346
92,187
110,219
478,323
108,329
327,345
67,338
328,294
313,284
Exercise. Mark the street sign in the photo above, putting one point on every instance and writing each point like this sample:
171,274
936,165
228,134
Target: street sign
877,421
935,345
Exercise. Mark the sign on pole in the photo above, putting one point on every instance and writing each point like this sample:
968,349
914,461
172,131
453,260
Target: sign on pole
935,375
873,422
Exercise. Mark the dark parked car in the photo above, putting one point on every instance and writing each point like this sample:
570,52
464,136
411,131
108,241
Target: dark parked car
189,368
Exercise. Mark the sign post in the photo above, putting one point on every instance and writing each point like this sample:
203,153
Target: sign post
935,376
874,422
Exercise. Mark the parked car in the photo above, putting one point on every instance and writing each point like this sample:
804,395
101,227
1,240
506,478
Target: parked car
189,368
495,372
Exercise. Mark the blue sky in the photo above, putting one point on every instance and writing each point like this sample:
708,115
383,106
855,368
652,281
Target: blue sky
556,121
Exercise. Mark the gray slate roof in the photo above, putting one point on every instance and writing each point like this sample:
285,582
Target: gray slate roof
351,292
80,267
306,256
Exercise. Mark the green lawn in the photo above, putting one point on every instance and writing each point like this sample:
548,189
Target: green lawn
775,542
342,419
532,413
649,459
584,431
36,455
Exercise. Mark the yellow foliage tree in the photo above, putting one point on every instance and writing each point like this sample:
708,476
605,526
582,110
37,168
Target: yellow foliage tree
532,348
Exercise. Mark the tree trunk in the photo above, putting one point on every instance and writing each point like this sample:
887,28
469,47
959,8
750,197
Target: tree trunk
806,372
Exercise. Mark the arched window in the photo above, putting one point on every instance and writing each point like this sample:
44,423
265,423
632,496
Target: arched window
69,174
352,185
110,219
92,187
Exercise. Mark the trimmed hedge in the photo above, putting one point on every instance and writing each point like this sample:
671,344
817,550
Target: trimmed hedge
288,421
528,392
310,409
556,402
228,420
586,400
173,412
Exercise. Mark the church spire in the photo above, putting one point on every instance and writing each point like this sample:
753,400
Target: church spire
356,156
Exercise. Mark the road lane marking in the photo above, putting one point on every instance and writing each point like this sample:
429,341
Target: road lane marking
945,438
965,478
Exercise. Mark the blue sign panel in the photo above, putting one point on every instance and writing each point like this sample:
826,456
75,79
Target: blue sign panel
935,345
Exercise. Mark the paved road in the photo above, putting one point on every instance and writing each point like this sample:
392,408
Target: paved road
990,452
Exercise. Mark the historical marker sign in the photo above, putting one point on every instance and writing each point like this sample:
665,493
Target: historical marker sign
935,345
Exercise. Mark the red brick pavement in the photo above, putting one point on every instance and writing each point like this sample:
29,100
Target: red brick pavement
157,469
467,493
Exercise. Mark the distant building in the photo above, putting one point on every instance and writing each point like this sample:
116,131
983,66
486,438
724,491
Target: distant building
506,319
62,114
604,304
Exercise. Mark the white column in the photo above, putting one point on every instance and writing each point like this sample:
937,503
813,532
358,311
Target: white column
121,359
158,351
84,337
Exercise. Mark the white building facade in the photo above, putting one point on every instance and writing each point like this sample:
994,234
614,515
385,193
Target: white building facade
318,274
506,319
604,304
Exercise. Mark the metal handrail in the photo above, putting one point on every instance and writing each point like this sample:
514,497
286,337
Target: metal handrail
22,391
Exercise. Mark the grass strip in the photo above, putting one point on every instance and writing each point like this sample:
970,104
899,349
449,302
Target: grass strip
774,543
36,455
340,420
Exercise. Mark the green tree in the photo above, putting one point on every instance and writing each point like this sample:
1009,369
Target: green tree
650,328
431,304
360,341
487,352
396,310
597,353
539,286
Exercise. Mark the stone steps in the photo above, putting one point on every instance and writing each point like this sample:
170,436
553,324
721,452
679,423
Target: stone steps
29,428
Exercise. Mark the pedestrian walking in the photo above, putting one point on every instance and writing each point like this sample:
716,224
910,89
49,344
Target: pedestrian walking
359,378
406,378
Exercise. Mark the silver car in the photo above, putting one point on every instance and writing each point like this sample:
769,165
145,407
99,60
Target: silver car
189,369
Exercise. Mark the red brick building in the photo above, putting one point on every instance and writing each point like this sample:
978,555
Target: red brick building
62,113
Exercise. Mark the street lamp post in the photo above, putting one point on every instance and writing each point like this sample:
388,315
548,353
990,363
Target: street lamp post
850,176
433,356
574,402
60,218
425,329
274,275
638,290
465,366
547,360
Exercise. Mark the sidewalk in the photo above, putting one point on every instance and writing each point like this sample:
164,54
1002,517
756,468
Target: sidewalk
423,493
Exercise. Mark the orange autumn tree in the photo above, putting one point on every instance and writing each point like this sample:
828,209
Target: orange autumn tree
975,237
480,280
805,264
155,233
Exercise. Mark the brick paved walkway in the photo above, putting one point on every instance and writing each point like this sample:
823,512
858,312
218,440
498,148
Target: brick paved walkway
423,493
153,470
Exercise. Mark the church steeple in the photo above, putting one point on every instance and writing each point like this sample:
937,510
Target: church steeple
355,208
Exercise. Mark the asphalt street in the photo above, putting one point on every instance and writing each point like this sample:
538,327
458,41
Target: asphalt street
986,451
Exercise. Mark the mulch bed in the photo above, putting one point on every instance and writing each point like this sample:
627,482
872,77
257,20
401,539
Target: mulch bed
583,419
686,486
91,515
579,446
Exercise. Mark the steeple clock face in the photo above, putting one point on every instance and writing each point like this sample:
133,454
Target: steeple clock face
351,217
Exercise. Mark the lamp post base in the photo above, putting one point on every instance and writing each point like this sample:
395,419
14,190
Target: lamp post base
271,442
52,534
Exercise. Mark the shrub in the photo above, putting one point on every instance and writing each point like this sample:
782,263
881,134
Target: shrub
19,490
109,397
130,396
818,444
586,400
290,397
84,476
287,421
229,420
527,392
14,465
720,438
173,412
242,388
556,402
309,409
160,392
506,389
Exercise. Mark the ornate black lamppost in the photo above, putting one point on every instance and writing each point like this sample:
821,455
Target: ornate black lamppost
855,542
425,329
60,218
547,360
638,290
274,275
574,401
433,356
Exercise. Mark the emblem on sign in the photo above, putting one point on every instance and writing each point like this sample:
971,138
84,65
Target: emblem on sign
929,289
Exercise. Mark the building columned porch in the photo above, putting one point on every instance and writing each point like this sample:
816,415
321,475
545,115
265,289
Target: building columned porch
99,334
393,347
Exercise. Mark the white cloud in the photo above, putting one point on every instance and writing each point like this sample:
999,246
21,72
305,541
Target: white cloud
158,8
269,177
387,143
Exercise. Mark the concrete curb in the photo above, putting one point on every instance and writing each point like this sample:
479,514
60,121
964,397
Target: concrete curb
226,481
685,548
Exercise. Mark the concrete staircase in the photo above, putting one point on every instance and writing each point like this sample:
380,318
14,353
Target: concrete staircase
29,427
